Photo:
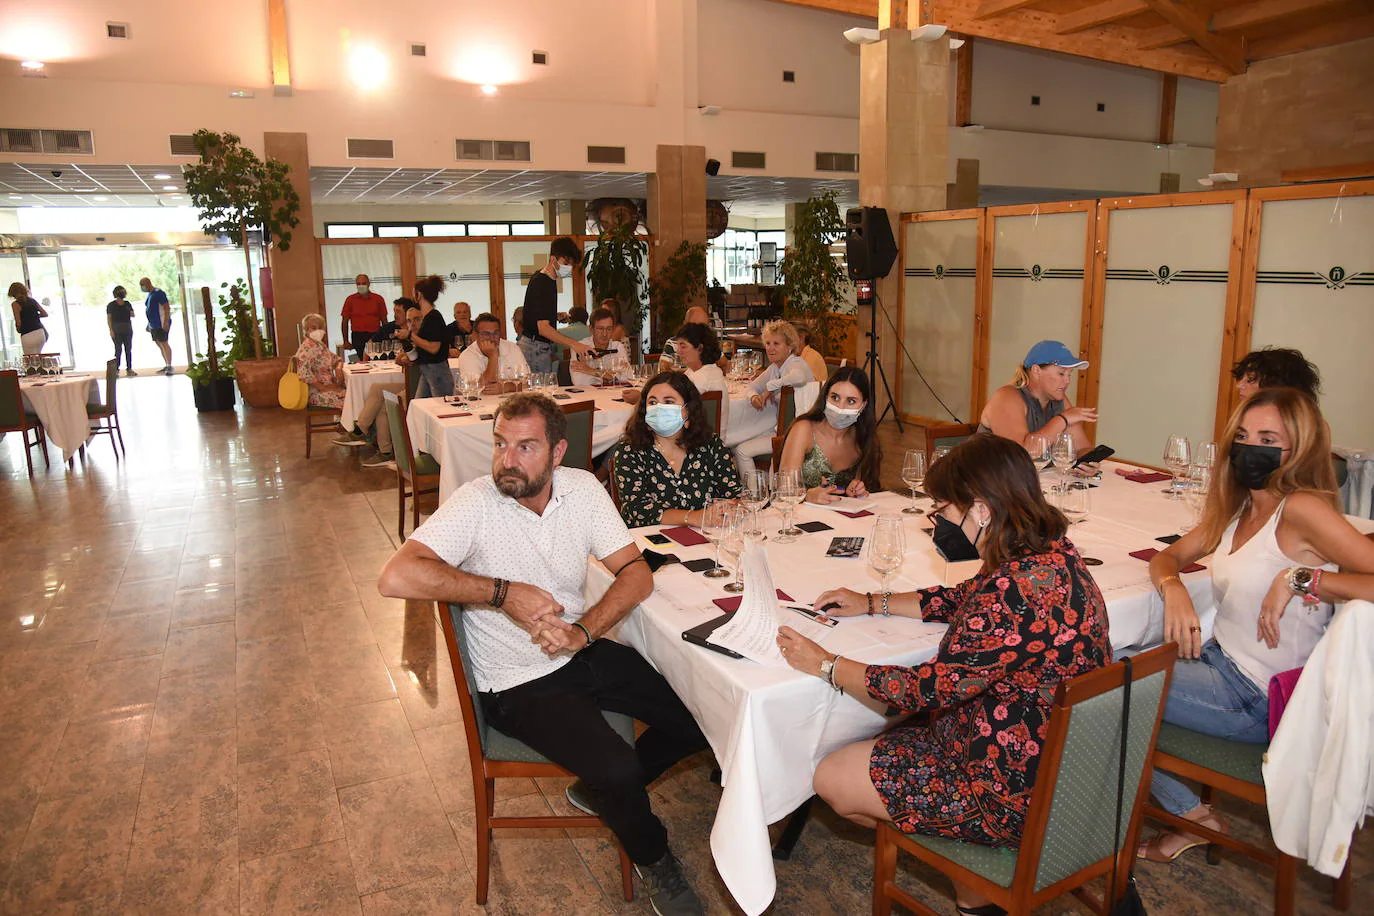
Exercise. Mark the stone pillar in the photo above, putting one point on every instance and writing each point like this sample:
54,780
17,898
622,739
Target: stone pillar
296,271
550,216
677,203
903,148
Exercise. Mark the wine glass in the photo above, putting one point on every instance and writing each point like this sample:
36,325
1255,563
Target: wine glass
788,493
886,547
755,489
1205,454
1038,447
714,520
913,475
1199,485
1077,501
1177,454
1063,454
734,539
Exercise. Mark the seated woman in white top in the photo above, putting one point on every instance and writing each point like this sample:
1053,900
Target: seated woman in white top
785,366
697,349
1272,521
489,355
595,370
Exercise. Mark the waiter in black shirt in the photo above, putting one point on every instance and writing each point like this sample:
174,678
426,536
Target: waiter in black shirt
539,335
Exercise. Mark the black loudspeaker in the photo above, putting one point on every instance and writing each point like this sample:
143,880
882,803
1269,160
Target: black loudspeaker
869,246
712,166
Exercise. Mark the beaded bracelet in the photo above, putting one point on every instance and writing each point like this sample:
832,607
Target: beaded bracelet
498,592
869,596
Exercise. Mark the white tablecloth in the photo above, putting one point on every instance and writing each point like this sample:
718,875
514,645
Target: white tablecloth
769,728
359,377
60,404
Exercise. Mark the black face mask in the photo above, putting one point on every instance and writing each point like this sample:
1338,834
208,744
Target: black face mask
951,541
1252,465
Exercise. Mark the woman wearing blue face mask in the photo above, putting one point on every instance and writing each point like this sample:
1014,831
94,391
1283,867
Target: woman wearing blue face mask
1271,519
670,466
835,443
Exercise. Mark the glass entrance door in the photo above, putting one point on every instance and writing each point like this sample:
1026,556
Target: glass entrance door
46,285
11,271
92,274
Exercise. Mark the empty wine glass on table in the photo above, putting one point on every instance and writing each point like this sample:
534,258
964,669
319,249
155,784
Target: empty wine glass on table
1177,456
1038,447
913,475
1076,501
734,540
886,548
755,488
1204,454
1063,454
1199,484
713,525
788,493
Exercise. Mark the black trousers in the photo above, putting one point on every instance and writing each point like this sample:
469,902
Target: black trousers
359,341
559,715
124,341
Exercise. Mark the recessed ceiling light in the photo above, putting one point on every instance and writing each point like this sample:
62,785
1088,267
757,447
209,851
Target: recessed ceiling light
100,197
488,89
161,177
169,187
32,64
16,197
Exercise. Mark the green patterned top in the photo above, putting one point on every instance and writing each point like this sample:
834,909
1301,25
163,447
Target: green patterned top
816,468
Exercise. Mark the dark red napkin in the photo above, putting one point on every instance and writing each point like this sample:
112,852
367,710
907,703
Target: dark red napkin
450,416
1147,476
685,536
1149,552
732,604
860,514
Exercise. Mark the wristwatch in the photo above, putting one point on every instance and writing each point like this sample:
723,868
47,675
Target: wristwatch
827,671
1300,580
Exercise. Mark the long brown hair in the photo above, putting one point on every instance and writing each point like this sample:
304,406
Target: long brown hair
865,429
1308,466
998,471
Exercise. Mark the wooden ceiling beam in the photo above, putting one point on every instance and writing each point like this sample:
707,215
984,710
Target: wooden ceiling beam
1091,17
867,8
1329,33
1185,17
1265,11
1163,36
990,8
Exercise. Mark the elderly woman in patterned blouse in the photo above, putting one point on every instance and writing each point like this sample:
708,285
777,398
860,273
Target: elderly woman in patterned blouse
670,466
1031,618
317,366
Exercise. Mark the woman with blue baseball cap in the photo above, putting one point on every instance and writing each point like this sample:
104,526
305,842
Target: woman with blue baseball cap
1036,401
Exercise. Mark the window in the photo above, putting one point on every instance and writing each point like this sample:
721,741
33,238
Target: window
429,229
527,229
433,229
489,229
734,257
349,231
398,232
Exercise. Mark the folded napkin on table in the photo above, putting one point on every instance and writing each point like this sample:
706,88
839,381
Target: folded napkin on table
1149,552
684,535
1144,476
732,603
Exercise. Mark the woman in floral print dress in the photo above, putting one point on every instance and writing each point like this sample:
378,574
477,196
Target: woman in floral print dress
670,465
965,766
320,369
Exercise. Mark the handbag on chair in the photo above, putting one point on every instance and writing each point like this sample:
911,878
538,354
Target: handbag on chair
292,393
1130,903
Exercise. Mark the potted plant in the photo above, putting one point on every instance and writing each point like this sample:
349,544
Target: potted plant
614,267
236,191
679,282
812,279
212,374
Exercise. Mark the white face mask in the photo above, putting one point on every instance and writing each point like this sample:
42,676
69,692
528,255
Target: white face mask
564,271
841,417
317,335
362,289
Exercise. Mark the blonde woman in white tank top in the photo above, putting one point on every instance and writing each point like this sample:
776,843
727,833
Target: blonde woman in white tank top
1272,521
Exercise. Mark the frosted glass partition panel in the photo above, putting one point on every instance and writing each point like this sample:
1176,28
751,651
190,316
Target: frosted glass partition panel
1314,290
940,270
1164,308
463,265
520,261
341,265
1037,287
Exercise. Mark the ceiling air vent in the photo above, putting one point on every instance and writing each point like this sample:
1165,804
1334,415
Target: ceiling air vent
417,49
493,150
183,145
117,29
69,142
740,160
607,155
837,162
19,140
540,57
370,149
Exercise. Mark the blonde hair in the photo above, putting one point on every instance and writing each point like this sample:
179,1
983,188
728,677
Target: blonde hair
1308,466
787,331
1020,378
313,316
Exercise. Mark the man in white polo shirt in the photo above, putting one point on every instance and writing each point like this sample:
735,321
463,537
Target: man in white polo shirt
512,549
489,355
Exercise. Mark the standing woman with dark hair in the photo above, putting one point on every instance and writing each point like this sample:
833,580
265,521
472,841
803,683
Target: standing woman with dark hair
27,315
119,315
431,342
1032,618
670,466
835,444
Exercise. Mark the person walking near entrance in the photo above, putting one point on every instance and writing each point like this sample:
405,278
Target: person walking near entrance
119,315
159,312
363,313
28,316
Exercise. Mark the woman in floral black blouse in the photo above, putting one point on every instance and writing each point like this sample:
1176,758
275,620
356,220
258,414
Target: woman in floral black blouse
1031,618
670,465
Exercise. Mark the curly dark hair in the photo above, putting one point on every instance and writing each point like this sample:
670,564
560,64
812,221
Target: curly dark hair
430,287
701,335
564,247
865,430
1279,367
695,434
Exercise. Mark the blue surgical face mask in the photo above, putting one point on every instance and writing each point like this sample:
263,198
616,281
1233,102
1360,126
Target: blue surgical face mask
665,419
840,417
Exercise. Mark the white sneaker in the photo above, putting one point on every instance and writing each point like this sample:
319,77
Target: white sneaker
379,461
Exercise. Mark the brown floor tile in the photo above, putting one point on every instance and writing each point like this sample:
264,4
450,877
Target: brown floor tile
184,858
63,624
319,591
200,650
179,768
167,517
263,617
99,756
445,750
450,894
287,803
128,637
328,628
144,597
428,694
213,543
148,566
195,607
397,832
201,571
150,539
350,675
414,638
194,704
314,880
370,742
379,607
275,722
124,687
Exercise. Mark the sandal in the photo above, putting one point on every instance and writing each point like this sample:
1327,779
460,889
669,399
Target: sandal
1153,851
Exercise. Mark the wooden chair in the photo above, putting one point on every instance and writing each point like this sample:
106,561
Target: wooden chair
946,434
1069,828
580,416
15,419
1234,768
832,363
412,377
418,472
494,755
712,402
611,486
318,419
564,370
787,412
108,411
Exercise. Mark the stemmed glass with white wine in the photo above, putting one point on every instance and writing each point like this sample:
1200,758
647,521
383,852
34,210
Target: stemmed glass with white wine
913,475
788,493
1177,455
755,488
714,520
886,547
1063,454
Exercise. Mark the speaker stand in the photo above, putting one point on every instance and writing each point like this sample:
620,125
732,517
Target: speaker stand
873,364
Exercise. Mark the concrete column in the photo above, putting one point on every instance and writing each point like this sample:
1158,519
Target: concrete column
677,203
296,271
550,216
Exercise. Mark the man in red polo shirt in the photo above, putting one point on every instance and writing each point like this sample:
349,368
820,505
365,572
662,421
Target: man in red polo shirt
363,313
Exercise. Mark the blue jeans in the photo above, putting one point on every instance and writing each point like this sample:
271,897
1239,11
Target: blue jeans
436,380
1212,696
538,353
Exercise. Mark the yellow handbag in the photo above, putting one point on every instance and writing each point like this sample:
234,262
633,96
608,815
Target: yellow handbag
292,393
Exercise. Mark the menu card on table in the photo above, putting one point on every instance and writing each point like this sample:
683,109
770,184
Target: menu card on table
753,630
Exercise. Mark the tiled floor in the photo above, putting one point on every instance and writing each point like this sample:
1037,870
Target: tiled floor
205,706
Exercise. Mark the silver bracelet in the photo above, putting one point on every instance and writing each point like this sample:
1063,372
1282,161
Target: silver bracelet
887,612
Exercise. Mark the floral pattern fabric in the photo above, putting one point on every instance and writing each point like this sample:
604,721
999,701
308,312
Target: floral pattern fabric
965,771
315,366
816,470
648,487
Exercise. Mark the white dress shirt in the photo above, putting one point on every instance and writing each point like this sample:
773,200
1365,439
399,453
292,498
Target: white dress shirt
472,361
793,372
577,368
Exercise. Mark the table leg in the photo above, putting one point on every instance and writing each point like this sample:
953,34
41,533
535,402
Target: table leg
791,833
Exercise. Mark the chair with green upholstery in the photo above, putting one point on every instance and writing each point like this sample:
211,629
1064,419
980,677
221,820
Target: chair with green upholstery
1232,767
1068,837
712,402
15,419
108,411
946,435
580,421
419,473
494,755
412,376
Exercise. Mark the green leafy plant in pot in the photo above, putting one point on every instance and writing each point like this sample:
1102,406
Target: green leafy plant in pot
812,279
614,268
679,283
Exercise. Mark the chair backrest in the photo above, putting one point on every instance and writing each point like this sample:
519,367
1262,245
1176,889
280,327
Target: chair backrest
412,374
11,401
111,376
946,434
787,410
611,485
580,415
651,359
474,722
400,435
564,370
834,364
1071,818
804,398
712,401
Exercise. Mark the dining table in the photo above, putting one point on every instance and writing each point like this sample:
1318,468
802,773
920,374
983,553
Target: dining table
59,401
360,377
